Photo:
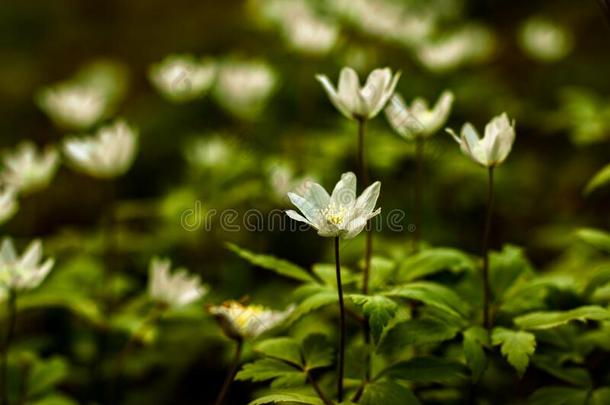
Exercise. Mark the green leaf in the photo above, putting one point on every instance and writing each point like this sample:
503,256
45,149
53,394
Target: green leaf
416,332
291,397
475,338
572,375
600,396
426,370
600,179
505,268
516,346
432,294
328,274
595,237
282,267
54,399
317,351
265,369
283,348
559,396
321,297
45,374
378,309
551,319
388,392
431,261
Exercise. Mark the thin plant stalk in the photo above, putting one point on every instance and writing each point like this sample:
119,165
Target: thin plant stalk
318,390
419,178
11,306
486,285
342,330
231,374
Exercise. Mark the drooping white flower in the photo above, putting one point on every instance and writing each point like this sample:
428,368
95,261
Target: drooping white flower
357,102
28,170
418,120
240,321
107,154
494,147
8,204
340,214
183,77
25,272
175,290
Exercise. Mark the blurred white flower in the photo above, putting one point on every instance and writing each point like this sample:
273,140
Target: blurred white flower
240,321
243,88
25,272
175,290
283,180
209,152
357,102
28,170
183,77
107,154
8,204
545,40
340,214
310,35
494,147
418,120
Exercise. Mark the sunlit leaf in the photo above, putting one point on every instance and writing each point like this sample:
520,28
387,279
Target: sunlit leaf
317,351
516,346
600,179
378,309
431,261
282,348
595,237
431,294
475,338
551,319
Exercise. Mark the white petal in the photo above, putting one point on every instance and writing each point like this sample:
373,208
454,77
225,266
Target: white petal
344,193
368,199
308,209
349,86
333,96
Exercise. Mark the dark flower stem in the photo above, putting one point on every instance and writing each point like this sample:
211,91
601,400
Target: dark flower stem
318,390
11,305
341,325
231,374
486,285
419,178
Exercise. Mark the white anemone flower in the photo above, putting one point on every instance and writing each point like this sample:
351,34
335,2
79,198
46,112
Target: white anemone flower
418,120
357,102
311,36
8,204
28,170
182,78
340,214
25,272
240,321
494,147
175,290
107,154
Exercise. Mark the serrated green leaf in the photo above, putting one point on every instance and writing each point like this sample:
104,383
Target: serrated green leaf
388,392
516,346
595,237
422,331
431,294
279,266
290,397
475,338
378,309
45,374
600,179
431,261
320,298
559,396
426,370
317,351
505,268
551,319
265,369
283,348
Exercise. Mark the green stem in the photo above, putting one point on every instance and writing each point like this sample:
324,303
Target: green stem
486,286
419,176
318,390
11,305
342,330
231,374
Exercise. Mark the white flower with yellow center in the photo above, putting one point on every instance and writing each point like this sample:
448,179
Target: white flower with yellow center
25,272
110,153
175,290
8,204
240,321
183,77
28,170
418,120
494,147
357,102
340,214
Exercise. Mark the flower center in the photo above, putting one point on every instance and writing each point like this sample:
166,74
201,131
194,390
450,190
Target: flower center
334,214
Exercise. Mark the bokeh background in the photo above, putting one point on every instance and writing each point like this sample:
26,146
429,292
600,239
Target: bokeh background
243,147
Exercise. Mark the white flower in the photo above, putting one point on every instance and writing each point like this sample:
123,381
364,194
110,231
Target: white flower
177,289
183,77
495,146
209,152
8,204
25,272
28,170
108,154
357,102
545,40
418,119
340,214
240,321
310,35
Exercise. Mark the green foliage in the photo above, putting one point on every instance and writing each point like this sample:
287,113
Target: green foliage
379,311
516,346
552,319
559,396
475,340
434,260
595,237
600,179
426,370
287,397
388,392
432,294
